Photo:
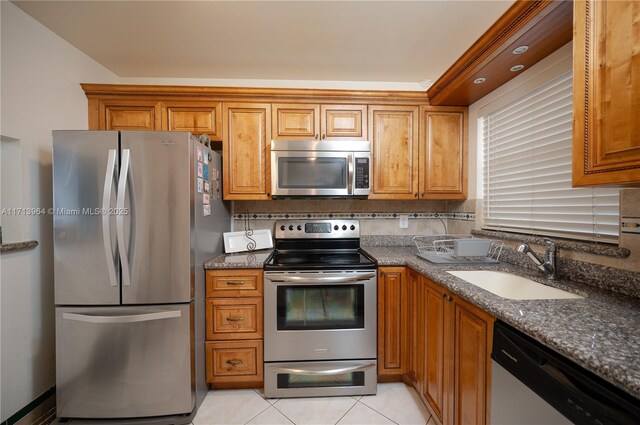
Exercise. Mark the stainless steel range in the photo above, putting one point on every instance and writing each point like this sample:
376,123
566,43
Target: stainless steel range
319,311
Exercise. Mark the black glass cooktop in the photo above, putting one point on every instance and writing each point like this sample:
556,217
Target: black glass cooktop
312,260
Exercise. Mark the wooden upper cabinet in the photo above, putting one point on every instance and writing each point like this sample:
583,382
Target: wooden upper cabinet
298,121
443,153
394,143
343,122
195,117
126,115
606,93
246,164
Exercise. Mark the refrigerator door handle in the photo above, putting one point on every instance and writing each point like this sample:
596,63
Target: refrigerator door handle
90,318
122,187
106,231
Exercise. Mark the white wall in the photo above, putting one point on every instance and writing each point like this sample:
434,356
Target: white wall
40,76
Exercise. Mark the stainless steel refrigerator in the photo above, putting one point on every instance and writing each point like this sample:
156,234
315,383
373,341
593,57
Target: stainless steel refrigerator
136,215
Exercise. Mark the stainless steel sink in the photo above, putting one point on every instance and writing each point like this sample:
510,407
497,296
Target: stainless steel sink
507,285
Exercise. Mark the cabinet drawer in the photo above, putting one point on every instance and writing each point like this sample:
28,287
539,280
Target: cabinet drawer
234,361
234,283
234,318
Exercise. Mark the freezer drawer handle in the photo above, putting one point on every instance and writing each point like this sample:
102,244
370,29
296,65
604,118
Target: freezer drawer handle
315,372
145,317
106,218
122,186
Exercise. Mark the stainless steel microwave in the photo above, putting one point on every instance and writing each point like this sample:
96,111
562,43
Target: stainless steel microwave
320,168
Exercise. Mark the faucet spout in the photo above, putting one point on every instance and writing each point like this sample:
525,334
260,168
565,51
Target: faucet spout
546,265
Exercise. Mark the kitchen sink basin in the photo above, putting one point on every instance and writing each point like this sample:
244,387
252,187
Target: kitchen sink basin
507,285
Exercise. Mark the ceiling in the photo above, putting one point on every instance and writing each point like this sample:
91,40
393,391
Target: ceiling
386,41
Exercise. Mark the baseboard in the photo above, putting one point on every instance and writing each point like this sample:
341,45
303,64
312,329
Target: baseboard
40,411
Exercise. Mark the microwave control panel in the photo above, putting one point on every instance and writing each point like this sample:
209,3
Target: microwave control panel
362,173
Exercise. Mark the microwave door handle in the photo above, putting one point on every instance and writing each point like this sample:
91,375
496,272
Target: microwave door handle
350,172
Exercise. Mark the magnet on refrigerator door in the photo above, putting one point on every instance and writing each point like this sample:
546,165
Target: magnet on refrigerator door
200,170
206,209
207,186
200,185
205,172
199,153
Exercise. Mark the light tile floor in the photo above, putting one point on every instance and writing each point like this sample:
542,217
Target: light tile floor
395,403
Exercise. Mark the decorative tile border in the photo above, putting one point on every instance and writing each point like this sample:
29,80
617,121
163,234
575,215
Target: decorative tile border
361,216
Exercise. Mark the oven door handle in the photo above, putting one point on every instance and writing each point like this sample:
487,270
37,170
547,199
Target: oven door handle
322,372
324,279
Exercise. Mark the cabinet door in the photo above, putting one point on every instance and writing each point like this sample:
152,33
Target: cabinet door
394,136
234,318
472,345
343,122
416,326
392,329
195,117
128,115
246,129
436,353
606,93
443,155
296,122
234,362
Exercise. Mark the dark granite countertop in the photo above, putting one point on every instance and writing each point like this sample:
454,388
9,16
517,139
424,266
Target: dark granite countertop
599,332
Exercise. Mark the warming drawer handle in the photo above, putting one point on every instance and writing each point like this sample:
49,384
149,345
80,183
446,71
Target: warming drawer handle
323,279
131,318
324,372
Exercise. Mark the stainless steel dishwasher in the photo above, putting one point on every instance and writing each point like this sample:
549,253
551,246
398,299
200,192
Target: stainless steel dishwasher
532,384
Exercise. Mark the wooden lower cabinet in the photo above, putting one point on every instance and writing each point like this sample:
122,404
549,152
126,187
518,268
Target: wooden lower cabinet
234,328
392,323
446,348
234,362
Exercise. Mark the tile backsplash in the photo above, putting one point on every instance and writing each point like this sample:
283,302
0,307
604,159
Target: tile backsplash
376,217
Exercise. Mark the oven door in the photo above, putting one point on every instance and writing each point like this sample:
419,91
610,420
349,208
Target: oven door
319,315
304,173
313,379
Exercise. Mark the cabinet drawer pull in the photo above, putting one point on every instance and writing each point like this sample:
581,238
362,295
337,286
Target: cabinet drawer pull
235,283
235,362
235,318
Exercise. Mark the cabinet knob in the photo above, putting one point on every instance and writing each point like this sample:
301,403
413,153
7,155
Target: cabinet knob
449,299
323,136
423,193
444,295
316,136
415,195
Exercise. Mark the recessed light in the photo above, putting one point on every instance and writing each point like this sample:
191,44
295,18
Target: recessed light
479,80
520,49
517,68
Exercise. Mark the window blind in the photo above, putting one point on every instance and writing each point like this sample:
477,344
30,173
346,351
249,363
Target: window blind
527,170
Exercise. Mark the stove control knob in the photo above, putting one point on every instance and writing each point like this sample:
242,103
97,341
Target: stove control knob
299,227
353,227
291,227
344,227
282,227
336,227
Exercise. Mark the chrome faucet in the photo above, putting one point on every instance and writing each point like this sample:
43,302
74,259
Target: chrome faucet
549,265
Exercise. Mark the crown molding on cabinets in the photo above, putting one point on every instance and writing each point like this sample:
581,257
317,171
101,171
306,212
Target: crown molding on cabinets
543,26
255,94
